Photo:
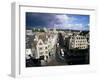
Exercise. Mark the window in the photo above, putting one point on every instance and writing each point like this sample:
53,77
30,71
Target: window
47,57
45,47
40,48
40,43
46,52
41,53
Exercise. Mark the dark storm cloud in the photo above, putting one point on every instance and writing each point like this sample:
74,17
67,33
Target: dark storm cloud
62,21
41,19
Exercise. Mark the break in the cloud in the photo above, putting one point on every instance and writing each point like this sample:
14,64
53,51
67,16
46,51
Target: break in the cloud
61,21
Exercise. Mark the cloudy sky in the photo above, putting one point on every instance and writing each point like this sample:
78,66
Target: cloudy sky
60,21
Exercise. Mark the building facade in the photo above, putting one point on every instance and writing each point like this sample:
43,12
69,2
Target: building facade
29,32
78,41
43,45
42,50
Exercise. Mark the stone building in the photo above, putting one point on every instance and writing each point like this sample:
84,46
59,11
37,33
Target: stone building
78,41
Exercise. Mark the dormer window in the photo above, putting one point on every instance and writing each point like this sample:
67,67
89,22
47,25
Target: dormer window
40,43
